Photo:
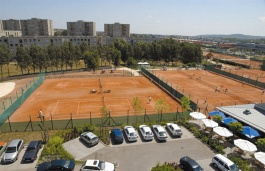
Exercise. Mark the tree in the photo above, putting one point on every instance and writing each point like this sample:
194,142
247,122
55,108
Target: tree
5,57
161,105
137,108
91,59
217,118
185,103
261,144
21,56
235,127
131,62
33,52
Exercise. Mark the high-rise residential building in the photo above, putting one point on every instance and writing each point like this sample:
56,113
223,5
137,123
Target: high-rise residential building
7,29
11,24
81,28
37,27
117,30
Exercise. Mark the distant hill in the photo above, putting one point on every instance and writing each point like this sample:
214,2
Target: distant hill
230,36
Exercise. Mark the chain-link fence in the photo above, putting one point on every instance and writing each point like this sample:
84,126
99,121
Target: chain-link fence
107,121
10,104
167,87
234,76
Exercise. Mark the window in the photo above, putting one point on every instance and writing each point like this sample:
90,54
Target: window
226,167
221,162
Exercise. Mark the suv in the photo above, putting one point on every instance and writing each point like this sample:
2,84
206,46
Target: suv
90,138
188,164
97,165
32,150
12,151
223,163
116,135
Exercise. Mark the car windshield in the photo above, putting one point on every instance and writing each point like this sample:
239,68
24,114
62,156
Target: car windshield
132,134
101,165
148,133
162,134
11,149
198,168
234,167
31,148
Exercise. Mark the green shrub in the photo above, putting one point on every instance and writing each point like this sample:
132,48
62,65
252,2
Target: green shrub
167,167
261,144
242,164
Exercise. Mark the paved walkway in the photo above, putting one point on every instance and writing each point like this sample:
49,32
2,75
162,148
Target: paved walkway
134,72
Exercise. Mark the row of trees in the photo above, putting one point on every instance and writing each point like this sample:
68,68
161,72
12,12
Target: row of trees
69,55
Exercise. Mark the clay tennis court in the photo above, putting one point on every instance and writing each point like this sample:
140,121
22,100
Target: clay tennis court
61,96
201,84
253,74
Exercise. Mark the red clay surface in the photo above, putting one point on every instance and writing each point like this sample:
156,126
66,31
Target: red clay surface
252,64
200,84
60,97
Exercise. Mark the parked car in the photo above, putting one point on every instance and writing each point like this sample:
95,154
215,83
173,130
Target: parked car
60,164
174,129
188,164
90,138
116,135
130,133
160,132
224,164
12,151
97,165
146,132
2,147
32,150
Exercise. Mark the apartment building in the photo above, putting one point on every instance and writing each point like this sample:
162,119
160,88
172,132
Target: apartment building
10,28
37,27
81,28
117,30
43,41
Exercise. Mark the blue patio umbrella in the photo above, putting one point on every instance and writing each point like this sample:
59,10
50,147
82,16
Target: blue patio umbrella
250,132
215,112
229,120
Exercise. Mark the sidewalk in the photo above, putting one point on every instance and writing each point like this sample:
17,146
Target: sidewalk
134,72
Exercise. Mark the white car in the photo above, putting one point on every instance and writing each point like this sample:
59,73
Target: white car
93,165
130,133
160,132
174,129
146,132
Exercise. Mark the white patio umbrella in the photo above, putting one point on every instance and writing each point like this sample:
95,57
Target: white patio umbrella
260,156
222,131
197,115
209,123
245,145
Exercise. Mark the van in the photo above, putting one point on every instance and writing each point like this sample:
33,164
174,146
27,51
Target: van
224,163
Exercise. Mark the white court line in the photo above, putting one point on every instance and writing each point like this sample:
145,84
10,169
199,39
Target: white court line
77,108
82,84
129,104
132,83
55,107
118,83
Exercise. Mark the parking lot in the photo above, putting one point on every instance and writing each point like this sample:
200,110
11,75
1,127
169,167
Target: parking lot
130,156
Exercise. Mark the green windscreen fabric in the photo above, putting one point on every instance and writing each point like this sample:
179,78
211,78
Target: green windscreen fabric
21,98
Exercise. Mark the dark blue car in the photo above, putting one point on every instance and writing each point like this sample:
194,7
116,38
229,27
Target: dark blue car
61,164
32,151
116,136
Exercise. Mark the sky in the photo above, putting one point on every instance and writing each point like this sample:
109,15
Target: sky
166,17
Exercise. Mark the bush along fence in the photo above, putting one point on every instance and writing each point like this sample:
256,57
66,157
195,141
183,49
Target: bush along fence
231,63
108,121
10,105
234,76
167,87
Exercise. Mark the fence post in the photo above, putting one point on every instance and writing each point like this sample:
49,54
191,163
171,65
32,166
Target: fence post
9,124
51,121
71,121
31,123
90,119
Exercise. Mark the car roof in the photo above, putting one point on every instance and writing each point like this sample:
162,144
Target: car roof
160,129
190,161
116,131
223,158
14,142
91,163
146,128
60,162
89,134
175,126
130,129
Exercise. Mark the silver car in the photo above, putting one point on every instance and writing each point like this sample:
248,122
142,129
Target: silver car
146,132
12,151
160,132
90,138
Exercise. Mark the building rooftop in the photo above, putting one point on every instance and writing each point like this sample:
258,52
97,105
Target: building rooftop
250,114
